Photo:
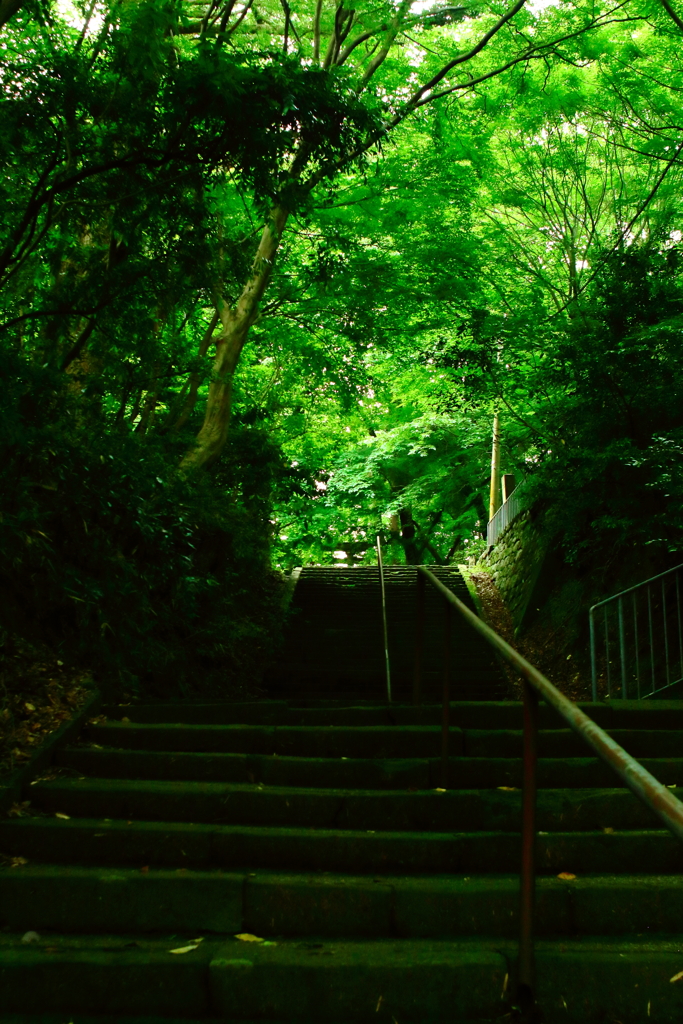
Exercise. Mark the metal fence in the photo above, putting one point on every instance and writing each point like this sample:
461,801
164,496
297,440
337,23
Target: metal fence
508,511
637,640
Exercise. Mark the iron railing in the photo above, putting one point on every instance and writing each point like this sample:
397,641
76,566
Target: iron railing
535,686
384,617
508,511
636,638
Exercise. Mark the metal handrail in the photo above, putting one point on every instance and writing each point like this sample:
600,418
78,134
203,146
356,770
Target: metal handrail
507,512
384,617
637,652
644,785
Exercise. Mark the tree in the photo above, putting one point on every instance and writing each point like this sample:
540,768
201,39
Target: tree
233,108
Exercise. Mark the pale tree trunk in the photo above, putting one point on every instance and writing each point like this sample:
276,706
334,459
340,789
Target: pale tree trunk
494,494
236,321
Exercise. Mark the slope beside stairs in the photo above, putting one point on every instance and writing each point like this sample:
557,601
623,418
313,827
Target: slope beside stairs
317,825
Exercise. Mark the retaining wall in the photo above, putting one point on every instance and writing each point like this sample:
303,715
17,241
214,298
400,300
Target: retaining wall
518,564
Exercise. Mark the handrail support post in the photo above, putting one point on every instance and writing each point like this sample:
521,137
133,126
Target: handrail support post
525,979
445,710
419,639
387,666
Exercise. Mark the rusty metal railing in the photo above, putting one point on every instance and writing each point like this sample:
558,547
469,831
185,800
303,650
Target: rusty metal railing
384,617
637,636
651,792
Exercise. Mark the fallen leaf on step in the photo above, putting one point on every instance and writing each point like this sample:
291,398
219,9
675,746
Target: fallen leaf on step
439,790
248,937
20,810
18,862
566,876
197,940
145,870
609,831
126,720
677,977
183,949
508,789
66,817
30,937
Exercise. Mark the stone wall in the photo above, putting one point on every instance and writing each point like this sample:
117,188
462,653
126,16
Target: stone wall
518,563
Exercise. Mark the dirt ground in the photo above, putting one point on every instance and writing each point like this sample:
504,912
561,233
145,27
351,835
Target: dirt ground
544,647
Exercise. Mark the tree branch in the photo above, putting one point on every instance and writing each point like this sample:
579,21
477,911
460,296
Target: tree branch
316,30
672,14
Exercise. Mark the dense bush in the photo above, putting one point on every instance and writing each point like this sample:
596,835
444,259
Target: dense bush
612,481
160,585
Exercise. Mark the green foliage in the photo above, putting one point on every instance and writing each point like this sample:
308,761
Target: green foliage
158,586
613,479
494,248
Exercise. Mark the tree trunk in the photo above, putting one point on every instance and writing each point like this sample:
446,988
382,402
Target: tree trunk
236,321
408,537
494,494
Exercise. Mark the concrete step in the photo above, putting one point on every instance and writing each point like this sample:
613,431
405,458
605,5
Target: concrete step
337,981
269,903
356,773
463,714
369,741
457,810
299,741
473,715
181,844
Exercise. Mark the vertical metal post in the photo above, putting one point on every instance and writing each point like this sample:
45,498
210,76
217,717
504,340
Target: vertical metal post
607,666
419,638
528,872
445,710
384,618
652,642
666,634
622,649
594,659
635,637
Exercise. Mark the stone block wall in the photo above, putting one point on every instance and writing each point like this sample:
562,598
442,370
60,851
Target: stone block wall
515,563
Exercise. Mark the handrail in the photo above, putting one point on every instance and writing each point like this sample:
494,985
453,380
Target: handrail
637,652
644,785
505,514
384,617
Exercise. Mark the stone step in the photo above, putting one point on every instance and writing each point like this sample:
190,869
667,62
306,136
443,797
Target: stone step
369,741
356,773
458,810
269,903
463,714
180,844
339,981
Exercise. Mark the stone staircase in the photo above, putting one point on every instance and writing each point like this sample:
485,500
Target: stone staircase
335,647
317,826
